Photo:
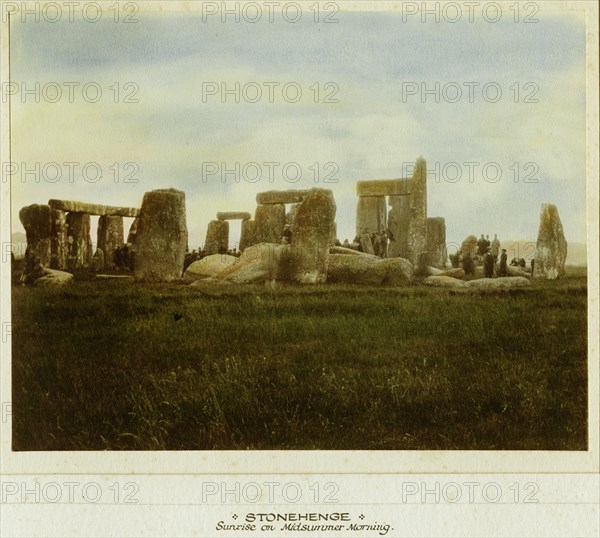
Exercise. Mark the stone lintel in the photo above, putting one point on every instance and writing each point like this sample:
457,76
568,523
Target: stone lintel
383,187
233,215
281,197
93,209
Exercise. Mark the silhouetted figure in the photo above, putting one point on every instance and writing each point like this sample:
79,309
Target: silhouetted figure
346,244
481,246
503,271
514,262
376,242
488,243
532,265
522,263
286,238
495,248
468,265
488,264
384,243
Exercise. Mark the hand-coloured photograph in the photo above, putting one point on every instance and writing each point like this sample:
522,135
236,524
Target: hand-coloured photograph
240,226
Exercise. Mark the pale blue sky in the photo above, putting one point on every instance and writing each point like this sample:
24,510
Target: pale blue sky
370,133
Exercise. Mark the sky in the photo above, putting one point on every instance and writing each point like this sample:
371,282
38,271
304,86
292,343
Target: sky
353,108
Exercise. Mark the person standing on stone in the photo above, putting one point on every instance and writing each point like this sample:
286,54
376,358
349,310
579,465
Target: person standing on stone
503,265
495,248
488,243
287,235
346,244
488,264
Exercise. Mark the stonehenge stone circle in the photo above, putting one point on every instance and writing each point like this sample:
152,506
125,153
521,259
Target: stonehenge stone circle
93,209
281,197
161,237
36,220
551,247
233,215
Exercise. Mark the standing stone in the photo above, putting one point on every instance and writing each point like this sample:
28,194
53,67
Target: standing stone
311,236
133,230
80,249
436,242
217,237
247,234
398,226
551,248
37,222
110,238
366,244
269,221
417,224
59,244
98,263
161,237
469,246
371,214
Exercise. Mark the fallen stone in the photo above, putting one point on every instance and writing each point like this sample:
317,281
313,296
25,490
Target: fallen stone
349,251
54,277
93,209
551,246
428,270
233,215
501,283
208,267
444,282
281,197
161,238
368,270
454,273
513,270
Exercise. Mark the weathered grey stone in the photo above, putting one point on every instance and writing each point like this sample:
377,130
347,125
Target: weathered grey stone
551,247
93,209
110,237
233,215
368,270
53,277
417,223
398,219
247,234
436,241
456,272
383,187
469,246
80,251
36,219
59,246
161,238
98,262
513,270
258,263
428,270
269,221
281,197
133,230
217,237
371,214
365,243
208,266
348,251
502,283
444,282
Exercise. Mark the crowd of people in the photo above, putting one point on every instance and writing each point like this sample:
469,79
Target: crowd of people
488,253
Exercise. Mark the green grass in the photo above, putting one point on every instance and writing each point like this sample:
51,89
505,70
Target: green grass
105,365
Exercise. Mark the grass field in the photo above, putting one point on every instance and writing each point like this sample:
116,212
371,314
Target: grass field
111,365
